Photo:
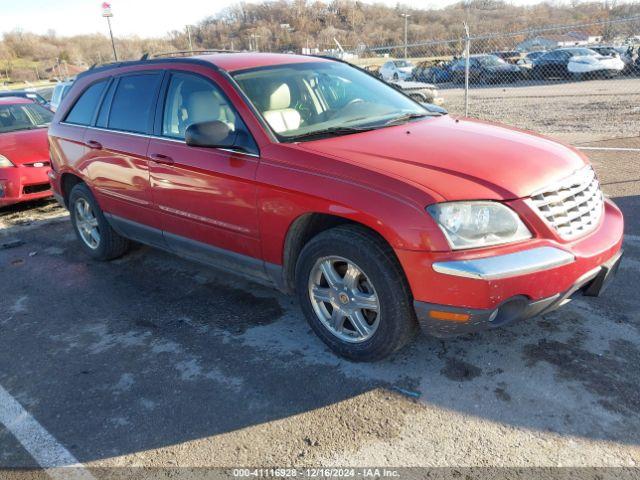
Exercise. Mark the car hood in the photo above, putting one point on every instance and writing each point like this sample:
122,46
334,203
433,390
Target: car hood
459,159
25,146
504,67
594,58
410,85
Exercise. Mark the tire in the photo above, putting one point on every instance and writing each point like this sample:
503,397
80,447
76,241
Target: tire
395,76
109,244
394,323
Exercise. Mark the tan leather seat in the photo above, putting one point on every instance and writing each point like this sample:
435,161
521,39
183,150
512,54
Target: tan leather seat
280,115
202,106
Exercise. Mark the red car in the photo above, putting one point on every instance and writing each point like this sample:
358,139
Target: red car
380,213
24,151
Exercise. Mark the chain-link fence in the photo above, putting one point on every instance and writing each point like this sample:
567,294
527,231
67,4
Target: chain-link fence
580,82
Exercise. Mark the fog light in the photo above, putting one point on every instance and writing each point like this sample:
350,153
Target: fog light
450,316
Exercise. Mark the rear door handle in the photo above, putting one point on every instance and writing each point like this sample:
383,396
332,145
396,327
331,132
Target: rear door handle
161,158
93,144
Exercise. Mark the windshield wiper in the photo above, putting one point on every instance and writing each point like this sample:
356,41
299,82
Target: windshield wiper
405,117
327,132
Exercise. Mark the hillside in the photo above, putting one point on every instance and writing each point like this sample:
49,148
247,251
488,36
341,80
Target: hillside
289,25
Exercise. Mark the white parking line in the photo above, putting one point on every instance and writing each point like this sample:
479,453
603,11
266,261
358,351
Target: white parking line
611,149
50,455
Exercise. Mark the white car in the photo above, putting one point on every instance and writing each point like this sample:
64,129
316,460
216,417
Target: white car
592,64
419,91
59,92
397,70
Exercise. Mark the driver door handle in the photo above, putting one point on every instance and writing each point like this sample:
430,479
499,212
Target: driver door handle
93,144
161,158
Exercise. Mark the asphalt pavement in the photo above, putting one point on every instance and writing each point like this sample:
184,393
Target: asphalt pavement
155,361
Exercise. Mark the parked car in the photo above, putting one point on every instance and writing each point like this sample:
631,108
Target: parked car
308,173
397,70
621,52
419,91
527,61
59,92
430,72
576,63
484,69
24,151
33,96
373,70
45,92
509,56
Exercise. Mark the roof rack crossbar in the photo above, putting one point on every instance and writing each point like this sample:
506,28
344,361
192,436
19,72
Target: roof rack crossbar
184,53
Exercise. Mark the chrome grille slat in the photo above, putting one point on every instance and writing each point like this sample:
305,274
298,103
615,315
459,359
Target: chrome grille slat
574,206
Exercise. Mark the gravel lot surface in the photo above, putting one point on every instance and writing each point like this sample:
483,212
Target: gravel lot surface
155,361
571,111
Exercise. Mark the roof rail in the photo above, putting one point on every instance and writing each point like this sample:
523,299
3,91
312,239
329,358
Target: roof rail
185,53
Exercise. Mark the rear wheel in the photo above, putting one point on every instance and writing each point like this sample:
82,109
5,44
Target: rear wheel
354,294
96,236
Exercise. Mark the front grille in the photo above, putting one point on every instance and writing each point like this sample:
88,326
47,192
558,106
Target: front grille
574,206
29,189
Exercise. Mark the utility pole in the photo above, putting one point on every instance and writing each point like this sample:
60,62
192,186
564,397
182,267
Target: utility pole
255,41
189,34
406,27
106,13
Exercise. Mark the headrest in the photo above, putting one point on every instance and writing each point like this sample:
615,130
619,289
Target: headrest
280,97
202,106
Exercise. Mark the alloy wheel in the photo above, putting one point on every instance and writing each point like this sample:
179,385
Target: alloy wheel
87,224
344,299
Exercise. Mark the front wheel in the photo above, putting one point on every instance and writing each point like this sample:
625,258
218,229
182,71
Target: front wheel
354,294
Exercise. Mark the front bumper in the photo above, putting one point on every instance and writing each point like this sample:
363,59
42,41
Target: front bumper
592,283
23,183
517,281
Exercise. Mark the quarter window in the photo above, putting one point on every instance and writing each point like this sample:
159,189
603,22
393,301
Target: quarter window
84,109
192,99
133,102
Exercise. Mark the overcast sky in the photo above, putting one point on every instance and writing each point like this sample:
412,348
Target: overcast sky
132,17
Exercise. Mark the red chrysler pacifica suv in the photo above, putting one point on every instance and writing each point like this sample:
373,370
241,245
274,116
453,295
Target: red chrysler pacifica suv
383,215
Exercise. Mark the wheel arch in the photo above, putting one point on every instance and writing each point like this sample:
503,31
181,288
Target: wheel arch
302,230
67,182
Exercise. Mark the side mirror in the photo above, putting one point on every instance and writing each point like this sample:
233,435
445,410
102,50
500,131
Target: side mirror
210,134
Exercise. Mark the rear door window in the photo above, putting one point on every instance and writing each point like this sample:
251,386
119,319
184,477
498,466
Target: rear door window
133,102
84,109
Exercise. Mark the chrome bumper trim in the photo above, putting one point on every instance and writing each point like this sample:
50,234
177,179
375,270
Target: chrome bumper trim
509,265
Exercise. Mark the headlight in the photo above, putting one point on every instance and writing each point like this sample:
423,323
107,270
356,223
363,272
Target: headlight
5,162
478,224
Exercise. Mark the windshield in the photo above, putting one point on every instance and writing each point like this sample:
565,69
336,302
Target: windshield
300,99
23,117
580,52
491,60
59,92
402,63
